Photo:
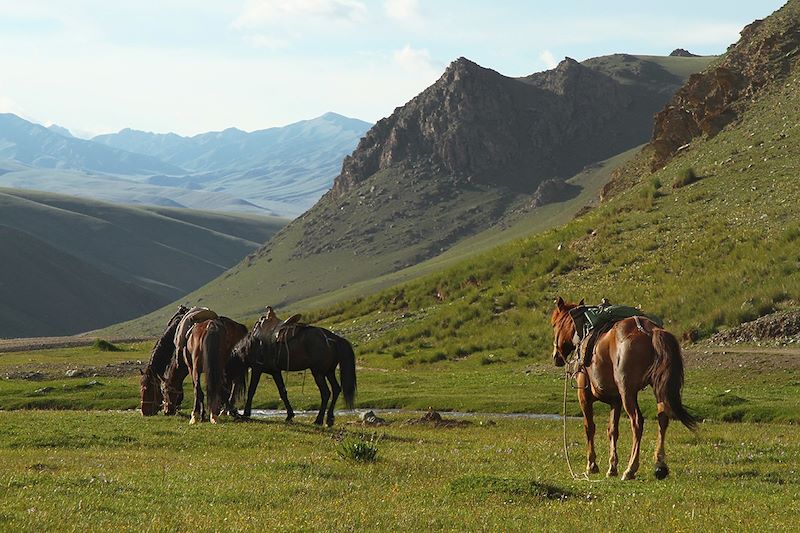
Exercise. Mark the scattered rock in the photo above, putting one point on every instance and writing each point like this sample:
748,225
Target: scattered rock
371,419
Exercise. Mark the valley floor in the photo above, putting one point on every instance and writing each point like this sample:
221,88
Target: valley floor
90,471
77,456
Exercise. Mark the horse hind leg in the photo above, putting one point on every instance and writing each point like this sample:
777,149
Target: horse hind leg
613,436
662,470
331,376
324,393
631,405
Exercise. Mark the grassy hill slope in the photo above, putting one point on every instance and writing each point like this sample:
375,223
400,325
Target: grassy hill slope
157,254
704,255
47,291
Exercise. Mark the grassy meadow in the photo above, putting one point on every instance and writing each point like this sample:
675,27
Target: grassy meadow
89,471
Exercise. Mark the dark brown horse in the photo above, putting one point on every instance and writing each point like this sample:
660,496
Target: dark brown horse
208,349
153,376
312,348
634,353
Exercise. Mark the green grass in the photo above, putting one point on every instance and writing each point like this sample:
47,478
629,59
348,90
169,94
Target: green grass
110,471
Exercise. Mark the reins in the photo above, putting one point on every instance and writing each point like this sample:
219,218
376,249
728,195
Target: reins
583,476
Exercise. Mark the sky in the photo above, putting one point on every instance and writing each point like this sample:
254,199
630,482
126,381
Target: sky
190,66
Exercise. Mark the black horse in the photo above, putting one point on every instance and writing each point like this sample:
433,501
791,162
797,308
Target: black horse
153,375
309,347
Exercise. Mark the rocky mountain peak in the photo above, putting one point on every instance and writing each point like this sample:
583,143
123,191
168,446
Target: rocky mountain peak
681,52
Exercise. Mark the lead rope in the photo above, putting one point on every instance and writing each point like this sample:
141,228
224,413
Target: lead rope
584,476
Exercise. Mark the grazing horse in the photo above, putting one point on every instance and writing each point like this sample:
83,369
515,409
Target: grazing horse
153,376
172,384
310,347
634,353
208,349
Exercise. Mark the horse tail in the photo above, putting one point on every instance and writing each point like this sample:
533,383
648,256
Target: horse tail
347,370
211,364
666,376
236,372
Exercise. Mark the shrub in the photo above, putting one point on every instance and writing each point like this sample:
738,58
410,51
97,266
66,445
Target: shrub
105,346
359,448
685,177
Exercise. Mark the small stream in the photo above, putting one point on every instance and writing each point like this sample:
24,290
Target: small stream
280,414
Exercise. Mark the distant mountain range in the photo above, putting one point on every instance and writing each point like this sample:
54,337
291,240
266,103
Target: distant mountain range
280,171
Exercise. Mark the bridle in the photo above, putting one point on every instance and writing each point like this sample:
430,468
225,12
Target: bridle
155,392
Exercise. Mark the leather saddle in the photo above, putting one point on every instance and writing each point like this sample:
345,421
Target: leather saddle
270,328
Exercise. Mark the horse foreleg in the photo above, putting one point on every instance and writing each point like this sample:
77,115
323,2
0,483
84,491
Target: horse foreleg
255,376
631,405
661,464
586,401
613,435
278,378
324,393
331,376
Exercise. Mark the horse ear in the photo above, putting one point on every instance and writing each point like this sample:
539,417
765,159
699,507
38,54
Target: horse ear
560,302
581,302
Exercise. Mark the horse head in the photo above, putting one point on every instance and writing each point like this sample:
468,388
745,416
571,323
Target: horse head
150,391
563,331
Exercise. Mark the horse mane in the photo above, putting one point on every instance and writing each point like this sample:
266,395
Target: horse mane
163,351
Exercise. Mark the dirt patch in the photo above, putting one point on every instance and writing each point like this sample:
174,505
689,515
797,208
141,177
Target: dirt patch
781,328
754,358
434,419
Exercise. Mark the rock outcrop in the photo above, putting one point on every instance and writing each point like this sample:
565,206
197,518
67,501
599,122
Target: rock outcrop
680,52
711,100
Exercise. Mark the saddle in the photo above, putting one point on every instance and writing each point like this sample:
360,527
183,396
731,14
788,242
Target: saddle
281,332
194,316
593,321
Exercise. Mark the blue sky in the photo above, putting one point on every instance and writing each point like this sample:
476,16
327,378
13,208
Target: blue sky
189,66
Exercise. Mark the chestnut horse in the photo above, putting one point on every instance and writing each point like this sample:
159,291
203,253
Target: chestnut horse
634,353
208,349
312,348
154,374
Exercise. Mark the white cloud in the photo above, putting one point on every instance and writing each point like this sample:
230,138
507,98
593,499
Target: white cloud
548,59
414,59
270,42
403,10
259,13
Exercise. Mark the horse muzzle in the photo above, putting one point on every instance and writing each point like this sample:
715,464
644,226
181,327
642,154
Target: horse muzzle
558,360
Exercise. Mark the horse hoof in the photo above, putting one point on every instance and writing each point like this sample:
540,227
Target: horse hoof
193,420
214,419
612,472
592,469
662,471
317,422
627,476
289,419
